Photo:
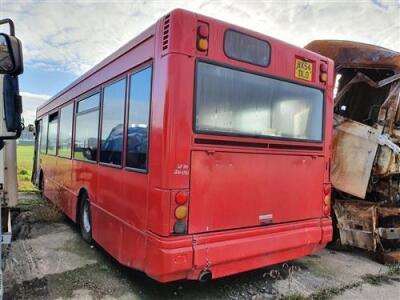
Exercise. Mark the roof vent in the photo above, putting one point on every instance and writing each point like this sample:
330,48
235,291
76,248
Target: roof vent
165,39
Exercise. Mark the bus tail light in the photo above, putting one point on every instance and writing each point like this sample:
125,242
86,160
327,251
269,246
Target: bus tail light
180,227
202,37
327,189
202,44
203,31
181,212
327,210
323,75
181,197
327,199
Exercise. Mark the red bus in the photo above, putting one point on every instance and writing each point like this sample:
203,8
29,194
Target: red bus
197,150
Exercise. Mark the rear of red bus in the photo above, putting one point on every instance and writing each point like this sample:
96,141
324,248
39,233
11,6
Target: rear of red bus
246,139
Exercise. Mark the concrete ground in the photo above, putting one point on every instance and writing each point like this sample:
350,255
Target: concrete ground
49,260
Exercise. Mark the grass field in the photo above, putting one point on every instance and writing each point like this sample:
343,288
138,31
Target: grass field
24,168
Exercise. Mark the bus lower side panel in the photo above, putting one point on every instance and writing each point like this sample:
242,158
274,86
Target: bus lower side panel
222,253
230,252
61,197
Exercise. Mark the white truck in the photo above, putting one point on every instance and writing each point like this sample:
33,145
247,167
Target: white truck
11,65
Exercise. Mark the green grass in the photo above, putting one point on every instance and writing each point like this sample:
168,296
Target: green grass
24,168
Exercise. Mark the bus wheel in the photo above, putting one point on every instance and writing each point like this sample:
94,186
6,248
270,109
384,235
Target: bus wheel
85,219
41,185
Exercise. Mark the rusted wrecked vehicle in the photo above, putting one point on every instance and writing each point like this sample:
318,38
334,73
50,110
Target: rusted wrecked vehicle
365,168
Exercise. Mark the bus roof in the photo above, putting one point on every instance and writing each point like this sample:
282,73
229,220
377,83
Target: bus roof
146,35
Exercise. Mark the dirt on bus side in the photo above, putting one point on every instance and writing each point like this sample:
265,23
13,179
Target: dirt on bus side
49,260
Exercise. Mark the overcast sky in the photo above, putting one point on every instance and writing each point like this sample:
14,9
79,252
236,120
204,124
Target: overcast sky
63,39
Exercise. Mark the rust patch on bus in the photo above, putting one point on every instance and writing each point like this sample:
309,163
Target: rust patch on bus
365,170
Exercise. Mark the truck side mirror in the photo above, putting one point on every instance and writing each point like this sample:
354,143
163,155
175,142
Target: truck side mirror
11,61
12,104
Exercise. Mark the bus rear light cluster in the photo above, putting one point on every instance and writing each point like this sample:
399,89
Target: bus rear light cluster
323,75
327,199
202,37
327,205
181,212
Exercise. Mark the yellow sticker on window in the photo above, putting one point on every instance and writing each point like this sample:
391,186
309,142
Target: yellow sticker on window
303,70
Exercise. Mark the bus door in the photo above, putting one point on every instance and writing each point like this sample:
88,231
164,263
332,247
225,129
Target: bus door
36,157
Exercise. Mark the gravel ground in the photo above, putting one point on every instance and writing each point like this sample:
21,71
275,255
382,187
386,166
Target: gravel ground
49,260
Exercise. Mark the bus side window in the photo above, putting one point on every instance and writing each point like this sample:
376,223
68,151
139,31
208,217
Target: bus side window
43,138
138,119
86,128
65,133
112,129
52,134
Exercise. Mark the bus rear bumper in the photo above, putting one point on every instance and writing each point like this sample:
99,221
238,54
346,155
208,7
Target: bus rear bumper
230,252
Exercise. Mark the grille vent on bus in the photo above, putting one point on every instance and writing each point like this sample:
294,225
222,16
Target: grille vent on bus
166,32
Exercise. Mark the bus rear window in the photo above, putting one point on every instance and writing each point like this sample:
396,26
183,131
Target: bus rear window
233,102
243,47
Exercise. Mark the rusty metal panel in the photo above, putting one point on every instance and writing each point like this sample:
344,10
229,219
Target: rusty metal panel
352,54
389,233
391,257
366,146
354,149
356,223
384,161
357,238
361,224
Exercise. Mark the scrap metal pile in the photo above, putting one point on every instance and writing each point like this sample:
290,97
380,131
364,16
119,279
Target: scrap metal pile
365,168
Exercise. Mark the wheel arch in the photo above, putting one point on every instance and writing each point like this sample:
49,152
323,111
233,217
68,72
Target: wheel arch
83,191
41,177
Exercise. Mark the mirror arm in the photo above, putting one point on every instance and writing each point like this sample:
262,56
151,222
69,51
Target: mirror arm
11,23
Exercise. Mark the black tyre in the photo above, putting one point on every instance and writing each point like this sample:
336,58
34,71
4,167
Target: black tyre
85,219
41,185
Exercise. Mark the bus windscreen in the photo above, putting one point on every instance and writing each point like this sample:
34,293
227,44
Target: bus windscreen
234,102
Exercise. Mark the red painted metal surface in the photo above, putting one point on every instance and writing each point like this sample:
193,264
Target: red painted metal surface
133,213
258,186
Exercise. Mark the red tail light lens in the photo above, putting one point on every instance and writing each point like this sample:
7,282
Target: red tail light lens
327,210
181,198
327,189
203,31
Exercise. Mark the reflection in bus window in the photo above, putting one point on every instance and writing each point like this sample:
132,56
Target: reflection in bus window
138,119
52,134
113,123
65,134
86,128
233,102
43,139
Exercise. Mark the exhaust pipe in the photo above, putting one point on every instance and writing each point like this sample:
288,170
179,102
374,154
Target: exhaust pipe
205,276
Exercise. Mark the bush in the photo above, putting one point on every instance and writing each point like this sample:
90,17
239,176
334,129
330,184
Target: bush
23,172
